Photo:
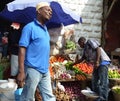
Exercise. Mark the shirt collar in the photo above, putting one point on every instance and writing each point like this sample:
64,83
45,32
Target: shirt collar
38,23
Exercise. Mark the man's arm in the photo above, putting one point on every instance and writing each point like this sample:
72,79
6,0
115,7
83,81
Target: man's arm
80,60
98,54
21,72
21,58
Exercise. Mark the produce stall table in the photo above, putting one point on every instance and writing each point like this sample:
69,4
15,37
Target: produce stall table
69,80
73,88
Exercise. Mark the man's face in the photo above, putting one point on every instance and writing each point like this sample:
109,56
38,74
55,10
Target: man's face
46,12
81,44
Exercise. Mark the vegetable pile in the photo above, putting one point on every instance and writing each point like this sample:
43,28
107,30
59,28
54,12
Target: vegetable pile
60,68
84,67
55,59
73,89
81,70
70,45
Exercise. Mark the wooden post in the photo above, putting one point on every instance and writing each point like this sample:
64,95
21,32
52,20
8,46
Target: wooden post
106,13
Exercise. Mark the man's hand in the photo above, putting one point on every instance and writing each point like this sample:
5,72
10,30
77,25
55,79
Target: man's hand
96,65
21,79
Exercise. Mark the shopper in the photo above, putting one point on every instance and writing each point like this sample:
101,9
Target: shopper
95,55
14,37
34,56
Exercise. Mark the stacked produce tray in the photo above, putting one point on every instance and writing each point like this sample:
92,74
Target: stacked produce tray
73,89
114,77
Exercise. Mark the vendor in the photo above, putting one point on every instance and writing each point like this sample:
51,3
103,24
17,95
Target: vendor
95,55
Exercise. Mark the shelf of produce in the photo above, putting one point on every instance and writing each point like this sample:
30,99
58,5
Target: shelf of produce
73,87
72,79
65,80
115,79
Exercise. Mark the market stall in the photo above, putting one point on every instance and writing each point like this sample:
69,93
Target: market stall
68,80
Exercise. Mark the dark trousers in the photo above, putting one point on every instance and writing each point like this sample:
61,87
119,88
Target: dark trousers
100,82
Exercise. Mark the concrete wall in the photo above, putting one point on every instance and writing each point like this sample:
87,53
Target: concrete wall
91,13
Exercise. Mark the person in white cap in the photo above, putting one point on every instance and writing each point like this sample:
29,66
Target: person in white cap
34,51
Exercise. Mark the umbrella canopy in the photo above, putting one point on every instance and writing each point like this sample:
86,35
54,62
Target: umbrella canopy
24,11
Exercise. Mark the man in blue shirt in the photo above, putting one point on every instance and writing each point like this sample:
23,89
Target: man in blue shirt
34,56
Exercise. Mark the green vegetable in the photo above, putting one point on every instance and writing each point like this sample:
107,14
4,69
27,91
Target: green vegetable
68,65
77,71
116,89
70,45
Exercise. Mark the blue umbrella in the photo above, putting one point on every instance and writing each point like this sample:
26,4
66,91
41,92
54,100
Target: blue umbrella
25,14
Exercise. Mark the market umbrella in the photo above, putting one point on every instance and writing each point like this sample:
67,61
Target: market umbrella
23,11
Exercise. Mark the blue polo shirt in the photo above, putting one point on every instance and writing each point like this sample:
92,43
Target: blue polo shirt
36,39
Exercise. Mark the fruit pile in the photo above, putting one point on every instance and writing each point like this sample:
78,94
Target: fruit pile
114,73
116,89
